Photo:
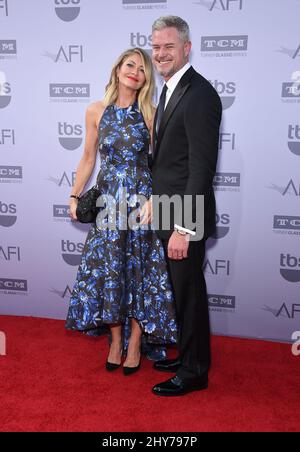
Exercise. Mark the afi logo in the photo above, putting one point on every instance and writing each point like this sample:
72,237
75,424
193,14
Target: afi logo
220,266
10,253
64,179
226,4
284,311
297,52
291,189
71,53
228,140
7,136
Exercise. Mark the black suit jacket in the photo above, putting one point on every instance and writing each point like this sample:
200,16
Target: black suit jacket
185,150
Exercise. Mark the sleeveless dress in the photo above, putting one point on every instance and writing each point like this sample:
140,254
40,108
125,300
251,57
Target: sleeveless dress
123,273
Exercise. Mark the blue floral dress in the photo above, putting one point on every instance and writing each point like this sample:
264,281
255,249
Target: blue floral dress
123,273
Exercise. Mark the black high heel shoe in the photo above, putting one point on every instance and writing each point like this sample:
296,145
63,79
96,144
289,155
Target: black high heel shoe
111,366
131,370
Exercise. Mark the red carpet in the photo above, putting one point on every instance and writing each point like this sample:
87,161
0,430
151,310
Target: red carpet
53,380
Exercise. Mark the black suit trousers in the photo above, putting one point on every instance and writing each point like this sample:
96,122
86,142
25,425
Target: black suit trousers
191,301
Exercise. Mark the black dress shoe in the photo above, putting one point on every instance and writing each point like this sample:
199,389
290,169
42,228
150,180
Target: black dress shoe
167,365
111,366
131,370
177,386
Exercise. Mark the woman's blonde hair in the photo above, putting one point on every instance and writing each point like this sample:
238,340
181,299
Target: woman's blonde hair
145,94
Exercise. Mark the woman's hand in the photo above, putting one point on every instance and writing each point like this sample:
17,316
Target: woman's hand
146,215
73,207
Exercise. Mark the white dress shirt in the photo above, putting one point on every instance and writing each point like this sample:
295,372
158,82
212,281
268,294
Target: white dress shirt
174,80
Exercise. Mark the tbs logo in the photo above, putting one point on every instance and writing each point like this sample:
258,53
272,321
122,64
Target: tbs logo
294,139
8,215
67,10
70,137
70,252
290,267
226,92
5,91
222,228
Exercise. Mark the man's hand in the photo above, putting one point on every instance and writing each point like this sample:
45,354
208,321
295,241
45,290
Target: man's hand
178,246
146,214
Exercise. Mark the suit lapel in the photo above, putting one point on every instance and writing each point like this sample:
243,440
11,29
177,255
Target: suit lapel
178,93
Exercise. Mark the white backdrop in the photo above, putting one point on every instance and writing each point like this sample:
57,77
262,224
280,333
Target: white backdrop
55,59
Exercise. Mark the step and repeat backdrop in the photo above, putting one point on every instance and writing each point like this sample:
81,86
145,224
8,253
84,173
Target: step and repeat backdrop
55,59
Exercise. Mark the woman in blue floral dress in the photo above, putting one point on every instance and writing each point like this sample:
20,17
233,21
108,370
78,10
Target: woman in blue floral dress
122,281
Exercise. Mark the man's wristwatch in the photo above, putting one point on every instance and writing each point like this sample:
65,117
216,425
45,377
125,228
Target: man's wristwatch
180,232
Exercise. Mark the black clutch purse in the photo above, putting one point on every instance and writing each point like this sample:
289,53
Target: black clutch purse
87,210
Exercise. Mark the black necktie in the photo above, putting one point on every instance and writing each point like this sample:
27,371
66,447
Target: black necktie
161,108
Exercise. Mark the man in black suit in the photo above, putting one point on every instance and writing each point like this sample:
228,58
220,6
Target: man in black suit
185,149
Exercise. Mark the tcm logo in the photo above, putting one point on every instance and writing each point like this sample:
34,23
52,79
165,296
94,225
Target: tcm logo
286,223
227,180
70,54
65,180
61,211
223,5
294,139
291,90
10,253
292,53
5,91
235,43
290,267
292,189
7,137
296,344
226,92
222,226
67,10
10,173
8,285
8,215
8,48
70,252
227,140
217,267
2,344
221,301
70,136
69,90
4,7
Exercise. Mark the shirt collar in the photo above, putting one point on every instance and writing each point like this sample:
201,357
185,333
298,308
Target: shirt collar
173,81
